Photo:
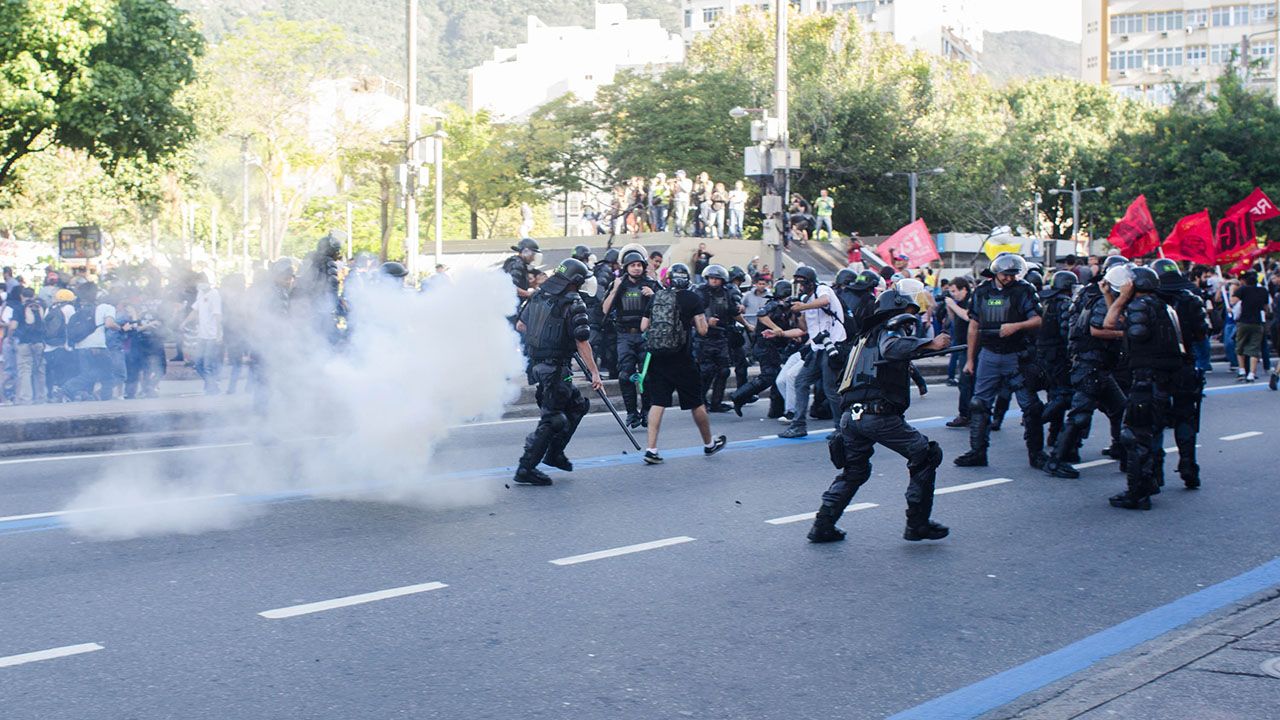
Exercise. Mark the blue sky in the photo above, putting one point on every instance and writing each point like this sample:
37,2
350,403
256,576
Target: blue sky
1060,18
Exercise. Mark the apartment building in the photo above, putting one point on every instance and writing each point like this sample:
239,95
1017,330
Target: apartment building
941,27
1144,48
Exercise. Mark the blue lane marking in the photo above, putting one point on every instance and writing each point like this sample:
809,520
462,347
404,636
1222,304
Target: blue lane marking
997,690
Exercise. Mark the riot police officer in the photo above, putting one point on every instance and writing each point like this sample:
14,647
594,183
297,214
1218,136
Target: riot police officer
855,293
393,273
772,324
1005,316
555,326
738,359
1153,338
1095,354
875,392
581,253
626,304
723,309
519,265
604,337
1186,388
1052,355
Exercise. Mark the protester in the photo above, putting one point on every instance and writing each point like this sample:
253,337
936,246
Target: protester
1250,317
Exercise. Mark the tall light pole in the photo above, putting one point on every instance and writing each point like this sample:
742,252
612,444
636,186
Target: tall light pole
439,136
913,181
411,134
244,205
780,81
1076,191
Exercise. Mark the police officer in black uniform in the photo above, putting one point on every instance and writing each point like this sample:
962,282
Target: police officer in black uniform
1052,354
1005,316
1153,338
581,253
770,348
604,336
555,326
723,309
626,305
875,392
1095,354
519,265
1186,388
855,293
738,335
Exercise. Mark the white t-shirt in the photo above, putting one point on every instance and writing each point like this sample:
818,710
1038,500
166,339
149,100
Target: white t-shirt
737,199
98,338
208,315
684,186
818,319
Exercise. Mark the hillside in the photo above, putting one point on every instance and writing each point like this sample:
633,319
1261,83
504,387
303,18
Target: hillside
454,34
1017,54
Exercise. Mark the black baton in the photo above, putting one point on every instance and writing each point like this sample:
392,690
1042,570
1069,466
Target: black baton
608,404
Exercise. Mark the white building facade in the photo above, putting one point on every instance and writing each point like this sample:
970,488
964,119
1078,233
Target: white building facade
939,27
1143,48
554,61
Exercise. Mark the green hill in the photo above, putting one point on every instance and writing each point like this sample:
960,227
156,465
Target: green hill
1018,54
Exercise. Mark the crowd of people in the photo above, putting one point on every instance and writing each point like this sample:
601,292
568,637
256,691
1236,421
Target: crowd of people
1129,338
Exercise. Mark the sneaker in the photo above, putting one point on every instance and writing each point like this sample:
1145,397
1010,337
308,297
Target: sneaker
559,461
1274,382
793,432
1125,501
952,382
787,417
1240,377
633,420
932,531
652,458
972,458
1250,378
716,446
532,476
958,421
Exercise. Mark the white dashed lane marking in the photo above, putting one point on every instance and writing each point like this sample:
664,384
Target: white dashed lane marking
51,654
315,607
809,516
972,486
625,550
1241,436
1093,463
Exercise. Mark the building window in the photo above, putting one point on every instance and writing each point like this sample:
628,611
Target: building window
688,18
1198,18
1164,21
1264,51
1229,15
1222,54
1197,54
841,6
1126,24
1126,59
1165,57
1263,13
710,14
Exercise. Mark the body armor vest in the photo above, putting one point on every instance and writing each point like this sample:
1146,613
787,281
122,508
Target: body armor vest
865,382
631,302
547,334
1153,336
995,307
1051,342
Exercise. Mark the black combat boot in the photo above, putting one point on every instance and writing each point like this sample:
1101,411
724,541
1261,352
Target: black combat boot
532,476
979,436
557,459
824,528
1189,471
1127,501
929,531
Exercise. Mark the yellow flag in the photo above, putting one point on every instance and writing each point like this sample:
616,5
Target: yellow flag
994,249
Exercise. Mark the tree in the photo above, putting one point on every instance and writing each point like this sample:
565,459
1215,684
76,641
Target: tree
483,168
102,76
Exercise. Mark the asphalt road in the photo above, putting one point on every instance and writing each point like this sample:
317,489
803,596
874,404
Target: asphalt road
510,608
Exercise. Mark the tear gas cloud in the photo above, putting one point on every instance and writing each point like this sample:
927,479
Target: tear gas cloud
360,421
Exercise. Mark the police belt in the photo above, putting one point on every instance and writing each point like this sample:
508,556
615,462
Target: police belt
874,407
629,330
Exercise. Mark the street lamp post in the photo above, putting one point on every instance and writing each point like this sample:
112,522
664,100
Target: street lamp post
1076,191
244,204
411,133
766,135
439,136
913,182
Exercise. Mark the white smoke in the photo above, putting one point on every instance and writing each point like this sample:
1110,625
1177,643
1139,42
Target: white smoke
362,421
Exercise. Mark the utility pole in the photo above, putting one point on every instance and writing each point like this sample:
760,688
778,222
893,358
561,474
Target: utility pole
439,136
913,183
244,205
1076,192
780,80
411,137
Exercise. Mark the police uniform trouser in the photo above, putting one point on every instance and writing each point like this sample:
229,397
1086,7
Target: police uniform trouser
770,366
995,371
1093,388
1058,398
892,431
1146,411
713,365
562,406
630,358
1186,390
738,355
604,345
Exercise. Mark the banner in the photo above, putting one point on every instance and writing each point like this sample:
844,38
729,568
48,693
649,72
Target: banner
912,241
1136,235
1192,240
1258,205
1248,259
1236,234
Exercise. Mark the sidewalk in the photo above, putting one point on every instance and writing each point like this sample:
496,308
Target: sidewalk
1227,666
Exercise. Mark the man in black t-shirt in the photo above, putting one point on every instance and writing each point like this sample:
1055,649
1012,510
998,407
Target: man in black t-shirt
1253,306
675,372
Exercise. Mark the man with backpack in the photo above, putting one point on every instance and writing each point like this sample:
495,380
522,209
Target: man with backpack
87,331
672,314
59,359
27,327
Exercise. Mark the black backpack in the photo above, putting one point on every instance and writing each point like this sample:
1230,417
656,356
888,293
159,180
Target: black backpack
29,332
82,324
55,326
666,334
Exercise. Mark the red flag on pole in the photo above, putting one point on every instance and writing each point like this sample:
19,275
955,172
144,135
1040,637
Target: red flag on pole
1250,257
1236,234
1192,240
1136,235
913,242
1258,205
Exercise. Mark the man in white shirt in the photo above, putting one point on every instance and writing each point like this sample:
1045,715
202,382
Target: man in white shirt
206,316
821,315
680,203
95,362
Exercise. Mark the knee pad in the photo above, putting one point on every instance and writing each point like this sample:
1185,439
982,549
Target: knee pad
558,422
1080,421
581,406
977,406
1128,437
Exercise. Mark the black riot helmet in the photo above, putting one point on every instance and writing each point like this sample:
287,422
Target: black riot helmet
715,271
680,276
1145,280
906,324
526,244
581,252
846,278
633,256
807,275
1064,280
1008,264
329,246
867,279
1112,261
737,274
281,269
610,256
569,273
895,303
394,270
782,290
1165,265
1035,278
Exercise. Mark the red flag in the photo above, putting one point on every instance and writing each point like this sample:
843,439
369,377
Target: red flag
1136,235
1192,240
1235,237
1258,205
914,242
1248,259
